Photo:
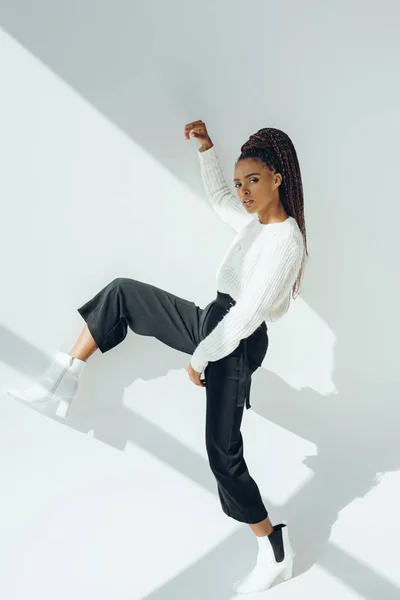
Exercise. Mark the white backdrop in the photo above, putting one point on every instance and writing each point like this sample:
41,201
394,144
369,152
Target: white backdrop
98,182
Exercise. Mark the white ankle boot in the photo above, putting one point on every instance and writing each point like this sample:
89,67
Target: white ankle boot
58,384
272,549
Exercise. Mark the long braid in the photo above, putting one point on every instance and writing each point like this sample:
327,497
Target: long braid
276,150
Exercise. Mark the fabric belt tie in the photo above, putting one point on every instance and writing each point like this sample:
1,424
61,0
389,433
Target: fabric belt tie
244,377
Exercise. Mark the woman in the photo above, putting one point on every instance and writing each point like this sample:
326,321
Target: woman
228,338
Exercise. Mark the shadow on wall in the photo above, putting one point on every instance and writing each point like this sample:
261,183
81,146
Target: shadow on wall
355,431
344,469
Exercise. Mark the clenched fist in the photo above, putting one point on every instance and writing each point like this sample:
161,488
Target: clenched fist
195,376
198,130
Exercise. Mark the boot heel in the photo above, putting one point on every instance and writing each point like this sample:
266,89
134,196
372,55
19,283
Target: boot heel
63,408
287,571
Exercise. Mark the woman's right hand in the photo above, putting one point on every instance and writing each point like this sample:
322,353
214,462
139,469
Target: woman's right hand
198,130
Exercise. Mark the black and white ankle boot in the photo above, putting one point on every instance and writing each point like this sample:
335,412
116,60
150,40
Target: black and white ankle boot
59,384
275,558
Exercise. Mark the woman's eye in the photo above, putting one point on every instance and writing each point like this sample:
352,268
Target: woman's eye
252,179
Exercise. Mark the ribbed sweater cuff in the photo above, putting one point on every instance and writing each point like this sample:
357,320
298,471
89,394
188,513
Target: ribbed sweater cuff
198,361
208,156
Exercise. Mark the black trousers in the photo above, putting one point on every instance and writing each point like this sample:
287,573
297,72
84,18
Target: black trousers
181,324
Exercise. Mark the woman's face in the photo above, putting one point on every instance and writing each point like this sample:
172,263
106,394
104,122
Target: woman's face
254,182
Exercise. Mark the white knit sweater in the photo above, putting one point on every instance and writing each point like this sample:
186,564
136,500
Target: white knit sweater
258,270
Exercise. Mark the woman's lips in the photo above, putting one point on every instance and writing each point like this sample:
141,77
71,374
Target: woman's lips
249,203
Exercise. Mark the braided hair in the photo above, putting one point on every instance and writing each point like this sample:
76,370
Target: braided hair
275,149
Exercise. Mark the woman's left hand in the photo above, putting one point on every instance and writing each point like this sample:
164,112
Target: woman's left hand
195,376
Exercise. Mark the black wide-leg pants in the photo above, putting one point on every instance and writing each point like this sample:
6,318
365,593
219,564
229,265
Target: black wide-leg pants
181,324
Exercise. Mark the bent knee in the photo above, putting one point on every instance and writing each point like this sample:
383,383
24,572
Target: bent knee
119,281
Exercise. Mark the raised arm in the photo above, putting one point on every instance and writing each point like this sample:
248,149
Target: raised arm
221,198
225,203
